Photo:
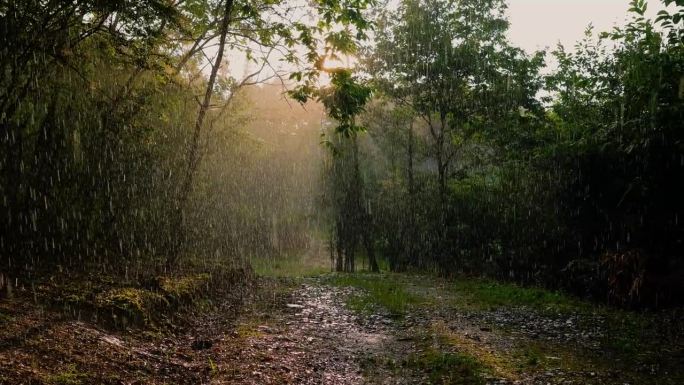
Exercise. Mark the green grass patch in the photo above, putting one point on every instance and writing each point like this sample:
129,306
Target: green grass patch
289,266
70,376
487,294
384,290
447,368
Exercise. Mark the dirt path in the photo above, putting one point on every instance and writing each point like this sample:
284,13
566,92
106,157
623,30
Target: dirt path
289,333
308,336
305,337
302,331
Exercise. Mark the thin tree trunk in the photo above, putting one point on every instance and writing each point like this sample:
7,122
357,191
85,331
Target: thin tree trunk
5,286
411,196
372,262
339,265
410,150
358,224
442,168
193,152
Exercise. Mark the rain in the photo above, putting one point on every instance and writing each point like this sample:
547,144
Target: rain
341,192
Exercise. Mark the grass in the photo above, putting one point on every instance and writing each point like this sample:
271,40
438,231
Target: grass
248,330
499,364
289,266
487,294
70,376
391,292
447,368
433,366
397,293
383,290
626,331
628,335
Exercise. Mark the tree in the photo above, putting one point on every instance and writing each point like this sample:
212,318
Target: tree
449,63
618,114
344,100
99,157
392,187
265,27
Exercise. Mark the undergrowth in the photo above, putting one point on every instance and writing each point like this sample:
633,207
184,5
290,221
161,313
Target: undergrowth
447,368
379,290
289,266
485,294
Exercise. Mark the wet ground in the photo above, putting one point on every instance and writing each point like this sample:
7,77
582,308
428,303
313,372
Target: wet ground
308,337
303,332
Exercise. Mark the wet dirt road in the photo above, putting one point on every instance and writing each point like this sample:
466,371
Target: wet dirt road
309,337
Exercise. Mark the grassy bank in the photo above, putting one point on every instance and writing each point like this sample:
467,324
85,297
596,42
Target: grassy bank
509,330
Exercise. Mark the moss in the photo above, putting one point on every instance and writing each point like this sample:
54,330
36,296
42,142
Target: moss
185,286
134,302
70,376
71,294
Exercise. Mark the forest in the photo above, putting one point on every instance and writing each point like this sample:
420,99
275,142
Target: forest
339,192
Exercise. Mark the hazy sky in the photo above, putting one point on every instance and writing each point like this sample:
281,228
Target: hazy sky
536,24
539,24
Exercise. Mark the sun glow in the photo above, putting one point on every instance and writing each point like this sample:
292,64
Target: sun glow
335,63
332,63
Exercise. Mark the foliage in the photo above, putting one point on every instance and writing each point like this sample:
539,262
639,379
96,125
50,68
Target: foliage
462,87
479,164
344,100
473,160
100,162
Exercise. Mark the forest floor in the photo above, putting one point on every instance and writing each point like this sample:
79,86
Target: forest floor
304,327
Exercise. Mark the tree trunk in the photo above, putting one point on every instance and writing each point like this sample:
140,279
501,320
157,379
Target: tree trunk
442,169
442,164
193,151
5,286
411,247
372,262
339,265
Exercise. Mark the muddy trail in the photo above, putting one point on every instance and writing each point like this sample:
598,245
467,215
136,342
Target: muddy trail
306,336
386,329
350,331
